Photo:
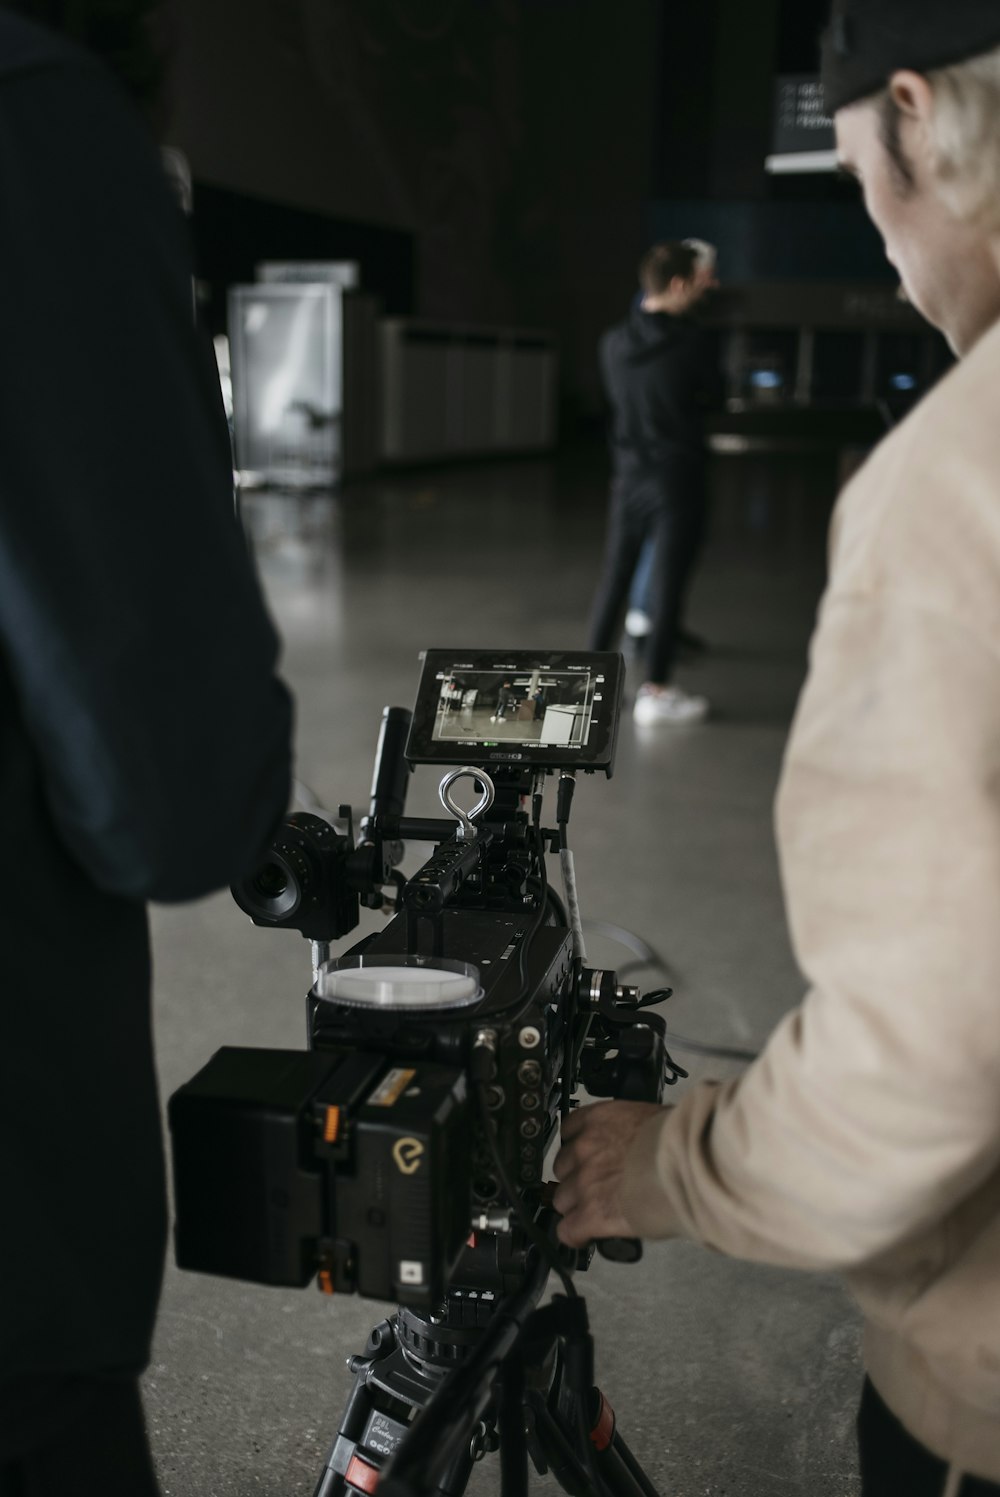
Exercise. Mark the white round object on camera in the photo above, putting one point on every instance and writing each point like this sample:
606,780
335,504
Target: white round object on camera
399,985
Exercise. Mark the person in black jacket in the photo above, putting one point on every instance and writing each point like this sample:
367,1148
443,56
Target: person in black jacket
640,598
144,739
657,378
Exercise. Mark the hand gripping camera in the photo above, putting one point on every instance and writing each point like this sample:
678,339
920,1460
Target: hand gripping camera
401,1155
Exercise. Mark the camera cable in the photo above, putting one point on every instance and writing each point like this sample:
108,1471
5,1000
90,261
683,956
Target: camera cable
564,802
578,1356
481,1071
699,1047
646,956
579,1345
482,1061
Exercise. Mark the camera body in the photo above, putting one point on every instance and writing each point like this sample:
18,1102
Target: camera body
391,1157
363,1159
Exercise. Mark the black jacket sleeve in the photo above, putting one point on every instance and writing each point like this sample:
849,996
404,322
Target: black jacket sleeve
137,642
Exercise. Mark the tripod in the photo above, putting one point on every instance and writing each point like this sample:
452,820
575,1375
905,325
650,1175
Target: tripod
523,1384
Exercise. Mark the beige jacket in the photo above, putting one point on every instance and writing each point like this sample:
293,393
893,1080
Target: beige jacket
866,1138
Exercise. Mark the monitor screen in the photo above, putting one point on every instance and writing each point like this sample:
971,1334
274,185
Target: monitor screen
522,708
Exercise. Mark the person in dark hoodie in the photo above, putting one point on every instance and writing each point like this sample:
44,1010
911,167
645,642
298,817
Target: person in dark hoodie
145,738
640,600
658,380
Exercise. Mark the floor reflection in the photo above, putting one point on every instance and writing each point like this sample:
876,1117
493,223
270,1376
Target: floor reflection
297,541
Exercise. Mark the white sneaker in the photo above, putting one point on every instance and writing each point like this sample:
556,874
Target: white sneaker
671,705
637,623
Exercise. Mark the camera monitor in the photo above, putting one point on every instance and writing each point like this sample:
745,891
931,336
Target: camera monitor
522,708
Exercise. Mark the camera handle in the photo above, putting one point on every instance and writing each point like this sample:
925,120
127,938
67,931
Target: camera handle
467,831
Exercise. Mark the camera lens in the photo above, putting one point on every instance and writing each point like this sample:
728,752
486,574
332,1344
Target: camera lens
276,890
271,881
294,883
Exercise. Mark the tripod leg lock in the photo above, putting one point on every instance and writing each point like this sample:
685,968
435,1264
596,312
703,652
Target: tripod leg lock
578,1345
602,1420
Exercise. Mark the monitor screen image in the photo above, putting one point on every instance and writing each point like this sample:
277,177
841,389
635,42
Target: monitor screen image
482,707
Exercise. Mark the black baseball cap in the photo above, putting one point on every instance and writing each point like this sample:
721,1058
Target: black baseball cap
868,40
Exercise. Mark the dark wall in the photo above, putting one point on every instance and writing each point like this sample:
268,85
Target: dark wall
719,63
799,25
234,231
501,161
742,96
778,241
510,139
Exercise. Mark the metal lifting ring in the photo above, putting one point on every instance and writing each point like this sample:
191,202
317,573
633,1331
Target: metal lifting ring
466,830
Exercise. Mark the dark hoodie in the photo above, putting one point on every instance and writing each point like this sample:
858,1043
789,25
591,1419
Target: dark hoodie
659,380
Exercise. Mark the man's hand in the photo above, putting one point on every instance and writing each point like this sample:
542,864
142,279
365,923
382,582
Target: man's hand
590,1166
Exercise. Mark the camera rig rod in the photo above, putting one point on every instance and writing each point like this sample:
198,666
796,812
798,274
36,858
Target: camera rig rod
391,771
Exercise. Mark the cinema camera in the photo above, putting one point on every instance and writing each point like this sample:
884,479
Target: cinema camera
401,1155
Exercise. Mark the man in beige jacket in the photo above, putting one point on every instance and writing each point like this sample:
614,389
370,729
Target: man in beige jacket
866,1138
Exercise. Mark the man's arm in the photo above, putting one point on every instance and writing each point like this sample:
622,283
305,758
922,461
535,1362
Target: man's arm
873,1110
133,626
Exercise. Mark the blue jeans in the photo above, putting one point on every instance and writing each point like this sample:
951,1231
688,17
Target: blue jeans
641,594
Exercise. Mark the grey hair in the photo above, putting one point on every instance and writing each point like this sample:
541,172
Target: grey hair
965,138
704,253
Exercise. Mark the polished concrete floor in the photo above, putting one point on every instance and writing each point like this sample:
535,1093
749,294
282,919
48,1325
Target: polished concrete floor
727,1379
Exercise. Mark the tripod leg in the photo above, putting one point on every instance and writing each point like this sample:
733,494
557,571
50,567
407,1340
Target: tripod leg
513,1445
367,1426
455,1481
353,1467
617,1470
614,1456
342,1460
554,1451
388,1391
